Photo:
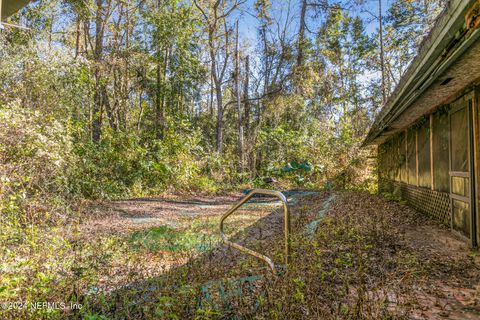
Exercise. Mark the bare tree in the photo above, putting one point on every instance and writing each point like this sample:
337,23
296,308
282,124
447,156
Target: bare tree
214,14
382,59
241,149
301,34
100,21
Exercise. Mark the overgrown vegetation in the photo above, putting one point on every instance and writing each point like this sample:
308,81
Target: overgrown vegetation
372,262
107,99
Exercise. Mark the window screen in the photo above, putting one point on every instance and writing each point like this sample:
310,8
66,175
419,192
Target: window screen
393,165
440,127
383,161
388,158
459,136
423,140
402,157
391,159
411,157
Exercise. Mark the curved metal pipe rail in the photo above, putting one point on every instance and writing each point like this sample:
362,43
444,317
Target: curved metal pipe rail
286,217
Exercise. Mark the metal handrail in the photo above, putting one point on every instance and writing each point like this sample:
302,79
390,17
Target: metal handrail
286,217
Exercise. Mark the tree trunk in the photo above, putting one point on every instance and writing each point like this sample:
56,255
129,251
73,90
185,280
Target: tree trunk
159,94
246,96
241,151
97,110
301,35
382,60
159,111
108,108
77,38
266,76
246,105
210,104
163,106
140,114
97,105
214,17
218,91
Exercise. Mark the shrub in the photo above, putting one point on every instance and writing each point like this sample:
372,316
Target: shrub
35,161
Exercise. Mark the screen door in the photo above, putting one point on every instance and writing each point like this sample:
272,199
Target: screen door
461,168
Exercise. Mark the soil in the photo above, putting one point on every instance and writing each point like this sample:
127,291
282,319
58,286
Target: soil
452,290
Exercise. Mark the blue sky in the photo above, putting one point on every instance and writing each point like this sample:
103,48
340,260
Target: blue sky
248,23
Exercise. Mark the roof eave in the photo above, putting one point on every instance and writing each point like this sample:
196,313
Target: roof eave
10,7
422,70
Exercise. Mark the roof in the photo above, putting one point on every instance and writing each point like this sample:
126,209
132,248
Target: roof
10,7
446,63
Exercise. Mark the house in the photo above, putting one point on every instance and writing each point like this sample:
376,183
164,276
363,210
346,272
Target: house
428,130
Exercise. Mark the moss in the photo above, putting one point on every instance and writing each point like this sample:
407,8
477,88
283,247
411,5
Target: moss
166,238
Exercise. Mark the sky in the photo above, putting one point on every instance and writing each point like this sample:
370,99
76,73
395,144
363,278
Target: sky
248,23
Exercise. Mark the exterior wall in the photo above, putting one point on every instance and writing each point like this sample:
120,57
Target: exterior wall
430,202
413,165
435,165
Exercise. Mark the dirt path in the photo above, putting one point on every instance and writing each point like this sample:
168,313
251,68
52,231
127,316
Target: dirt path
452,288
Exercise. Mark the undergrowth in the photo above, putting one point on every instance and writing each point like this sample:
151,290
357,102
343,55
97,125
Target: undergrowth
350,269
357,265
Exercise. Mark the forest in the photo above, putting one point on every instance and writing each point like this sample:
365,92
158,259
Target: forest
104,101
111,99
